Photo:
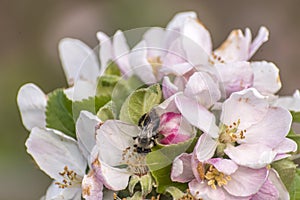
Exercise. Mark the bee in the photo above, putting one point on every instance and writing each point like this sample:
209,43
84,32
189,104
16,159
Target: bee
149,124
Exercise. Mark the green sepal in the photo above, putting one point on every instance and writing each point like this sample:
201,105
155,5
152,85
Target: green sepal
175,192
145,182
59,114
106,112
296,137
140,102
106,84
286,170
296,116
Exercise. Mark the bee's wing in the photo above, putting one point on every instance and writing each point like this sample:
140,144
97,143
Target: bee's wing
130,130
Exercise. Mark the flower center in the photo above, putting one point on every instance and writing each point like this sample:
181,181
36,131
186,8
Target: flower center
214,177
70,178
135,162
231,133
155,62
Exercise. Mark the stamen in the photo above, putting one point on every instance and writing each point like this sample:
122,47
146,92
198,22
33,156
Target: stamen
70,178
136,162
215,177
231,133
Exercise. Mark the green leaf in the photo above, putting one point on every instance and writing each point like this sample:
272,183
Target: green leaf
112,69
91,104
106,84
106,112
295,187
296,137
160,164
296,116
59,113
286,170
140,102
122,90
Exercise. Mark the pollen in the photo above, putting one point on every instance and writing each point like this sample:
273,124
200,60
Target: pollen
215,178
136,162
200,170
155,62
231,133
70,178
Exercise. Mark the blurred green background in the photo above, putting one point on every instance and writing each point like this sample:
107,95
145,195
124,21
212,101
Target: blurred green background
31,30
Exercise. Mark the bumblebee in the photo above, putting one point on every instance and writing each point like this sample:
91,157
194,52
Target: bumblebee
149,124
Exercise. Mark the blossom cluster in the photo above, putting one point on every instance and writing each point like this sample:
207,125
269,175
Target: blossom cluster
170,118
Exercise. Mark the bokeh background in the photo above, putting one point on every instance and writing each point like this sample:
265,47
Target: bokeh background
30,31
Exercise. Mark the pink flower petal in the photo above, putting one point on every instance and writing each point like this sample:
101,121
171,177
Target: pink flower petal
92,187
267,191
246,181
223,165
202,191
248,106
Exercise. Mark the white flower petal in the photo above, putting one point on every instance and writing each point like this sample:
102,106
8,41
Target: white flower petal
205,147
115,136
113,178
236,47
203,88
140,65
121,53
181,168
268,133
81,90
32,104
180,18
106,50
196,42
266,77
235,76
197,115
290,103
251,155
56,193
248,106
262,37
177,69
168,87
79,61
52,151
286,146
154,39
86,132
